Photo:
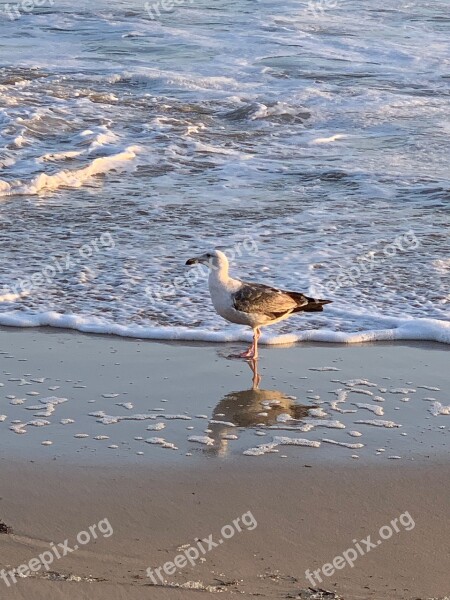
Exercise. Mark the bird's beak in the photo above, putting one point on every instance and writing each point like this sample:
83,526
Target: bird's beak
192,261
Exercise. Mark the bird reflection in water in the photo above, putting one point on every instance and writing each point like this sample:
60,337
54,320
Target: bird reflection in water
249,408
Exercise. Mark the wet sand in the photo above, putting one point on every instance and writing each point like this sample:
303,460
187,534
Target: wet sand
309,503
116,389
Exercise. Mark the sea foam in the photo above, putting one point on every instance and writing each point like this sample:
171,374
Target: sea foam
412,329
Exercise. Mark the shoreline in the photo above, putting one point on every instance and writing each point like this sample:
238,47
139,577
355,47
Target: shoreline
227,345
396,329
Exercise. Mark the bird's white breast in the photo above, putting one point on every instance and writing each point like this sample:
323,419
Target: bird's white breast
221,291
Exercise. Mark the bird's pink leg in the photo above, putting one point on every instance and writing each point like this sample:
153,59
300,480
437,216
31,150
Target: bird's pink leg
252,352
256,336
247,354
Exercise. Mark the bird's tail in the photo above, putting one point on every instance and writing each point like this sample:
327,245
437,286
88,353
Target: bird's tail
314,305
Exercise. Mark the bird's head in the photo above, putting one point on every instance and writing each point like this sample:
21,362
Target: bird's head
214,259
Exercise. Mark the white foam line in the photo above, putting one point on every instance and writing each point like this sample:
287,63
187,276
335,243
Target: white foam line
161,442
378,423
328,140
201,439
102,417
344,444
331,423
72,179
355,382
12,297
277,441
429,387
407,329
303,428
21,427
437,408
361,391
375,408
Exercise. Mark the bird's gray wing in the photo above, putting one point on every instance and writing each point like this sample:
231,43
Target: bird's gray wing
263,299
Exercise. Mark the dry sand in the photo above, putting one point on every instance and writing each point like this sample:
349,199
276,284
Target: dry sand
305,518
309,507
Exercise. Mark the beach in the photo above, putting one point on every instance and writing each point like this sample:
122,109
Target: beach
305,505
179,179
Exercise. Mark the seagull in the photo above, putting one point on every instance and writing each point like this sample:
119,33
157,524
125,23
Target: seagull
252,304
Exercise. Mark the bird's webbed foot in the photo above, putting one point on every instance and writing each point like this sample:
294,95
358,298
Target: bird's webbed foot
248,354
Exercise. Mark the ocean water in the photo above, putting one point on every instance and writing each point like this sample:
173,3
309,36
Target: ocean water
310,140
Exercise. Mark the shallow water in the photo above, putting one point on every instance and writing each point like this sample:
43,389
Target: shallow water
307,141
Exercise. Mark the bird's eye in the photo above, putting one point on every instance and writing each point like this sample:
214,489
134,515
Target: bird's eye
208,255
